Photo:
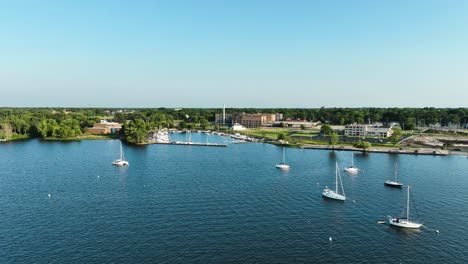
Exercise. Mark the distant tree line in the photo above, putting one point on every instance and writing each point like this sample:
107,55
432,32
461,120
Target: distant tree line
58,123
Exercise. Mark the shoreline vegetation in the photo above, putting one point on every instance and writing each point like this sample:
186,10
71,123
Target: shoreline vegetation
413,137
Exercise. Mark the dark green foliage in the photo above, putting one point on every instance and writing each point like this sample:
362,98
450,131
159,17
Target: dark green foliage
48,122
396,135
363,145
281,136
136,131
326,129
333,139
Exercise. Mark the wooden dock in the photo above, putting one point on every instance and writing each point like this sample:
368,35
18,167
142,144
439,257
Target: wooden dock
191,144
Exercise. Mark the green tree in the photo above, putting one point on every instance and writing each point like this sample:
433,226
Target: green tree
5,130
41,127
396,135
333,139
204,123
364,145
281,136
182,125
136,131
326,129
409,124
303,127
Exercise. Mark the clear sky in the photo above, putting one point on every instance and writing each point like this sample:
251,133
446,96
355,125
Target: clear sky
204,53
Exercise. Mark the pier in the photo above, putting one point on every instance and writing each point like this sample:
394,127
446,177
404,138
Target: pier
190,144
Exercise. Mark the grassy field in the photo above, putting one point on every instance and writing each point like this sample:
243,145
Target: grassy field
268,133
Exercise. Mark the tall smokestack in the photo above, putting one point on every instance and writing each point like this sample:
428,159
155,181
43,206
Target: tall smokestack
224,114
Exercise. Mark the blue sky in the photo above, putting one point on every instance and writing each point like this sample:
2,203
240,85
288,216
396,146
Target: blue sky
239,53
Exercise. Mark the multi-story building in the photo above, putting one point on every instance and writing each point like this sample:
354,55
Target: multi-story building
278,116
247,120
367,130
256,120
104,128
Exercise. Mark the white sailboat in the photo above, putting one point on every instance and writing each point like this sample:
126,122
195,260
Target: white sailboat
352,169
406,221
334,194
121,161
283,165
394,183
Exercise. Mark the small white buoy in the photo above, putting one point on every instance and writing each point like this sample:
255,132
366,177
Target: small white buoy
98,176
437,231
330,238
49,195
354,201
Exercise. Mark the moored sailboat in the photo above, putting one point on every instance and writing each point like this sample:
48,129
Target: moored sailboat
283,165
406,221
351,169
121,161
334,194
394,183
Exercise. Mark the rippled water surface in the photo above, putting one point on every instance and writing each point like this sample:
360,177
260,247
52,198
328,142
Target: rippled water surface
187,204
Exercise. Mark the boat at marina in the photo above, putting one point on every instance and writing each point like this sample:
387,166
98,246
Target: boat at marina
121,161
406,221
162,137
334,194
395,182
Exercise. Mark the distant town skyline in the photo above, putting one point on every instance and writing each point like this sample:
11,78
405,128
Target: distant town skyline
259,54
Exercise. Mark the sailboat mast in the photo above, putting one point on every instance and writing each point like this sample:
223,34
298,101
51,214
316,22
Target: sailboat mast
352,159
407,204
336,177
284,155
121,151
396,166
341,181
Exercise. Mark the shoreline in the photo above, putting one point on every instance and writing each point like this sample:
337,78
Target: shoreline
389,150
375,149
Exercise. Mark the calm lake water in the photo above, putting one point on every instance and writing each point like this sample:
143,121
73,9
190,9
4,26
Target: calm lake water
186,204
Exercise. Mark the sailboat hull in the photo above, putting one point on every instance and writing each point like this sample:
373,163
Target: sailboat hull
330,194
282,166
351,170
403,223
393,184
120,163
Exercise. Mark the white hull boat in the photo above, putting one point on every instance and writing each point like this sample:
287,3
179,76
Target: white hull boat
334,194
405,222
351,169
120,162
283,165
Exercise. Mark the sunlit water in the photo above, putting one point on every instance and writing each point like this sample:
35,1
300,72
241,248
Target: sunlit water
190,204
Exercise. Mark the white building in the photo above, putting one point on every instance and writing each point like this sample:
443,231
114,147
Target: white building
367,130
238,127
